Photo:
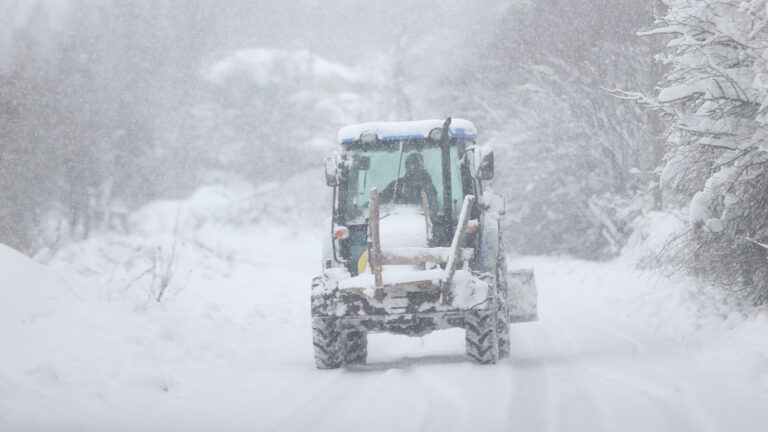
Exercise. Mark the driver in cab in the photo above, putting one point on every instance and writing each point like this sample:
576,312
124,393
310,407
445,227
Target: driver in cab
407,189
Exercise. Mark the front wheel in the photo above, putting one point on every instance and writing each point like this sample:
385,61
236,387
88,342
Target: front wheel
481,337
326,337
355,347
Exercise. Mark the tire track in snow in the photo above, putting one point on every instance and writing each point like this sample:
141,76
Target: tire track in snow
304,404
445,398
535,402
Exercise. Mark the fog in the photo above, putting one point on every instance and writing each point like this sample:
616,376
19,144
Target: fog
110,105
172,256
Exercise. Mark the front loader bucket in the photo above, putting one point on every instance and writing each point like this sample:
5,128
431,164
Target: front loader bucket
522,296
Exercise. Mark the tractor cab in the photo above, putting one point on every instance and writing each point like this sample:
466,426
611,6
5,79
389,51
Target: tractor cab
422,169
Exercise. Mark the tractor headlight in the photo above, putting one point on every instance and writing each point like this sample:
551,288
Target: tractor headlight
436,134
368,137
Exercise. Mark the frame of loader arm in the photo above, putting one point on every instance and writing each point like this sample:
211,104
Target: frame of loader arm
418,280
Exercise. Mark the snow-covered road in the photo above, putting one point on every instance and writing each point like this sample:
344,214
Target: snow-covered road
230,349
580,368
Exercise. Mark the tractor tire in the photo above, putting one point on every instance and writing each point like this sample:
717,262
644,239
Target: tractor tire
480,337
487,332
502,310
355,347
326,336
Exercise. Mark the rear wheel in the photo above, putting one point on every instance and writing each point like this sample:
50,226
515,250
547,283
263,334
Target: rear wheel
326,336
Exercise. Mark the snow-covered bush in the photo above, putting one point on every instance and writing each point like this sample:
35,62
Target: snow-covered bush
578,194
572,160
717,158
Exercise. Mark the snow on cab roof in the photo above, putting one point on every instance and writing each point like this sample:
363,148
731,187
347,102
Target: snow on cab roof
389,131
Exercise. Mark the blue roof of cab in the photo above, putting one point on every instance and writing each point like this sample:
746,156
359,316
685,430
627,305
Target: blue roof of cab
395,131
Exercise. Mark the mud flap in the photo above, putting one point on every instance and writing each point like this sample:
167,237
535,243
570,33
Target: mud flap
522,296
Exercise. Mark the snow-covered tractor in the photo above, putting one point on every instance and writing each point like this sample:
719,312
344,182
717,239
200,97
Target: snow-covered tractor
414,243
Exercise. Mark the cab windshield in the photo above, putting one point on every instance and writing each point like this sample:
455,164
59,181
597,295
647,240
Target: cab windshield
386,169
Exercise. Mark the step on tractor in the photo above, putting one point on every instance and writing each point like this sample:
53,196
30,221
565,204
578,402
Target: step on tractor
414,243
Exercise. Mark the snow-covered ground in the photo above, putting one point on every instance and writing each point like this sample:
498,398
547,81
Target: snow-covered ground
86,346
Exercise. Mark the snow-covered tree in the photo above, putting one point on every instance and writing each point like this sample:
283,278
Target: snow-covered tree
573,161
717,159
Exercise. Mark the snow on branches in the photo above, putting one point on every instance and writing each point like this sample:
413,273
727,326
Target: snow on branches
715,93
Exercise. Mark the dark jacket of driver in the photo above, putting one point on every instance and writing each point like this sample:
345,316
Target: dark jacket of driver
407,190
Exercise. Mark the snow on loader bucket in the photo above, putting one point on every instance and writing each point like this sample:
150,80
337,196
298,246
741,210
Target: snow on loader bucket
401,256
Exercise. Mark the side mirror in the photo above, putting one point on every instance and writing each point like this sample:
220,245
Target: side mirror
480,162
362,163
486,163
332,170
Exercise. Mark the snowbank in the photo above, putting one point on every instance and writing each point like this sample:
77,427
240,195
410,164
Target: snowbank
650,233
99,352
728,335
28,290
